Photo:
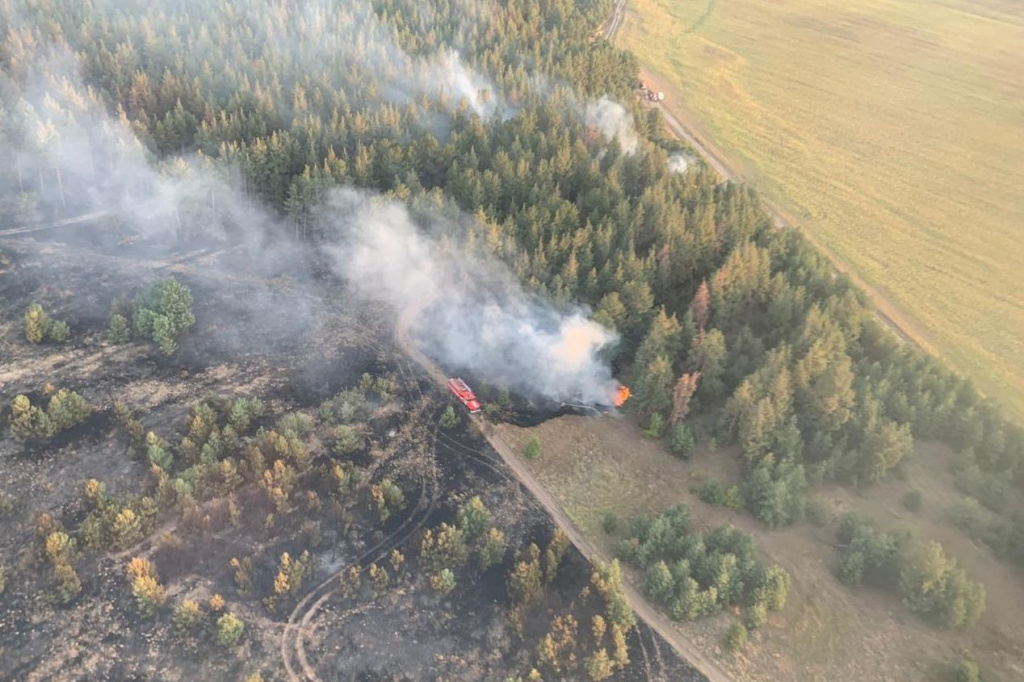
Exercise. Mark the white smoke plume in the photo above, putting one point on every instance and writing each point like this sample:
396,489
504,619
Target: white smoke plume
464,84
327,30
614,122
679,163
470,314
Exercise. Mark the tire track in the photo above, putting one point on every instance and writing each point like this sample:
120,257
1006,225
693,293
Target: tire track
293,639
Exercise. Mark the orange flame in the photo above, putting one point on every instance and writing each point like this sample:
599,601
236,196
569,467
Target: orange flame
621,396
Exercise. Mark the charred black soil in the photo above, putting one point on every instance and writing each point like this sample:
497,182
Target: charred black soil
294,342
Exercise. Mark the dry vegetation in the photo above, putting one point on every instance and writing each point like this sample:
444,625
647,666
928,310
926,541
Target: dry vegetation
889,130
827,631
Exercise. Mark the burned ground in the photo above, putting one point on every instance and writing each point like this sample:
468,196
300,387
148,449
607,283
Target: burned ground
293,342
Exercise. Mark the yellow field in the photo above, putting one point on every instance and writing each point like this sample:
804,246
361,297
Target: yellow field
891,130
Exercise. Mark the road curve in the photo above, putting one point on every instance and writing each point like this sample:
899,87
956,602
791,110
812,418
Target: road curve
648,613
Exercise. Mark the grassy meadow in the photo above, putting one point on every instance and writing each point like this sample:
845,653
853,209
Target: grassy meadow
891,131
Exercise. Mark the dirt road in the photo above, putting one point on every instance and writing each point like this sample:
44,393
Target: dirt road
140,209
611,27
84,218
644,610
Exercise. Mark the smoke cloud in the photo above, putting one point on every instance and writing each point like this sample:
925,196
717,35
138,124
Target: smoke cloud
614,122
325,30
679,163
470,313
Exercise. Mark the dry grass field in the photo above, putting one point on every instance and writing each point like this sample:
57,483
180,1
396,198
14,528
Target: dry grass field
891,131
827,632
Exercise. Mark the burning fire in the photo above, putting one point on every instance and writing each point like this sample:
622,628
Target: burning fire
621,396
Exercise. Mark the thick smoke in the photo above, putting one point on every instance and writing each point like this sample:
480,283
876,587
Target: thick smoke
470,312
614,122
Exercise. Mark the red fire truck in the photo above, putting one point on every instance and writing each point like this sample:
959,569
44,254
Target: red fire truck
463,393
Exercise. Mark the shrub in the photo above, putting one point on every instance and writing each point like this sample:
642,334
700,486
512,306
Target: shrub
39,326
599,666
243,574
61,548
58,332
967,671
449,419
533,448
188,615
736,637
346,440
344,408
131,429
969,516
733,499
397,560
36,322
163,313
118,331
473,517
158,451
243,412
524,581
443,582
607,580
380,578
229,630
775,584
444,548
67,409
27,420
148,592
610,522
929,582
757,615
127,528
711,492
655,426
387,497
68,584
290,574
492,549
295,425
682,443
659,582
913,500
933,586
818,511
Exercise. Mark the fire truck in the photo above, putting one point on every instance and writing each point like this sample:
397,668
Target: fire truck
651,95
463,393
